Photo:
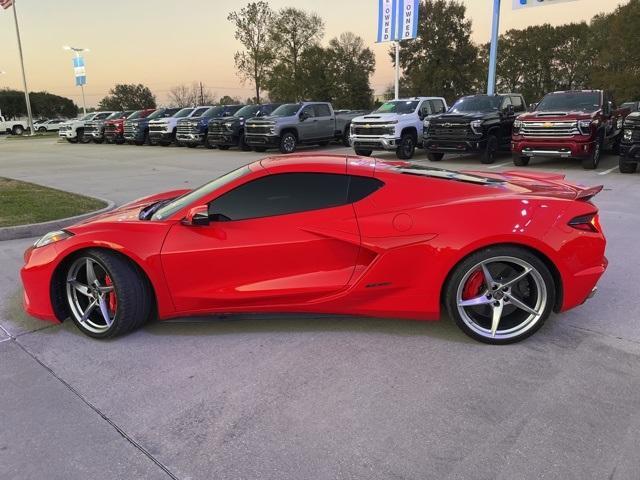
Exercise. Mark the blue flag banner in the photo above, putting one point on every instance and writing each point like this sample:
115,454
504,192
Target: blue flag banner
387,11
518,4
79,71
407,19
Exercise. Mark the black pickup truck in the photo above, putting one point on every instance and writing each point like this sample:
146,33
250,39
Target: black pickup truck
630,144
226,132
475,123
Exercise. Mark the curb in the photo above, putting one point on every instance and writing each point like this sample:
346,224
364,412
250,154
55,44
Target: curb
39,229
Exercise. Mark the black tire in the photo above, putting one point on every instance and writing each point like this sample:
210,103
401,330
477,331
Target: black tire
435,156
288,143
82,138
259,149
627,166
191,145
42,130
132,289
119,141
593,160
242,143
209,145
520,160
406,147
345,137
363,152
144,141
72,140
464,271
223,147
17,130
488,155
164,143
98,140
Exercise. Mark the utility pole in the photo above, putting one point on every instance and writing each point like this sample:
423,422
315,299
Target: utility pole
24,76
397,86
201,95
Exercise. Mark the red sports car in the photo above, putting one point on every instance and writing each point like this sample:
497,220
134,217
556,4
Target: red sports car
330,234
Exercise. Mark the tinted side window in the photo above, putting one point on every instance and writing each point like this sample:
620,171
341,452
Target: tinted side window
506,101
437,106
309,110
322,110
282,194
362,187
518,104
425,108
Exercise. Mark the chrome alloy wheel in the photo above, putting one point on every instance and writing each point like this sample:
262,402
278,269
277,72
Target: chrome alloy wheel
91,295
501,297
289,143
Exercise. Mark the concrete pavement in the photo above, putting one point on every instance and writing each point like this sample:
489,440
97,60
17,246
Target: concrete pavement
291,397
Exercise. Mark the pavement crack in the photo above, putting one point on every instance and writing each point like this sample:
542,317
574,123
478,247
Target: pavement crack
122,433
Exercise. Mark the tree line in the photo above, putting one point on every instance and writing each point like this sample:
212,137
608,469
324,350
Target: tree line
43,105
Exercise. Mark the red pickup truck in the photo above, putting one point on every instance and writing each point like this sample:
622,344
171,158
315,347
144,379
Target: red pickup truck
572,124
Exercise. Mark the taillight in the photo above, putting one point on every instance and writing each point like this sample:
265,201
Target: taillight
586,223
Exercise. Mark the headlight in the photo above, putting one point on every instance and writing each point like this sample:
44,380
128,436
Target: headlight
426,124
585,126
272,130
517,124
229,125
476,125
628,135
619,124
52,237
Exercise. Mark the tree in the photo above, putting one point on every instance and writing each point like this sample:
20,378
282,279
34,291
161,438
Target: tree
350,65
294,31
128,97
227,100
190,95
442,60
316,79
252,30
43,105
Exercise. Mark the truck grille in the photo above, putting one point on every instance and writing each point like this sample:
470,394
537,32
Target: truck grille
156,128
370,130
110,129
217,127
450,131
128,130
90,128
258,129
549,129
186,129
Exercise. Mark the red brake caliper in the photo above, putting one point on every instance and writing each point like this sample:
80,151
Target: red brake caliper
473,288
111,295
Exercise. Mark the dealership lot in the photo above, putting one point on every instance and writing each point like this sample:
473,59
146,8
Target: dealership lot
285,396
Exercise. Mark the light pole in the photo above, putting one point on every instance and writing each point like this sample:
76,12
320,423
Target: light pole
493,56
77,52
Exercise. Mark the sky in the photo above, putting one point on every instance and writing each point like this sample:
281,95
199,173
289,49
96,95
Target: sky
163,43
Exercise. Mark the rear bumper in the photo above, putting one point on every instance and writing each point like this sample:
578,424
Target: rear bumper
557,148
373,143
262,140
582,285
452,145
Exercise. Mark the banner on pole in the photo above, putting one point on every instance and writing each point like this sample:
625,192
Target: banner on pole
397,20
79,71
519,4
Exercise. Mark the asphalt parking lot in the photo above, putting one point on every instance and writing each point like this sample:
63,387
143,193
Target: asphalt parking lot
315,397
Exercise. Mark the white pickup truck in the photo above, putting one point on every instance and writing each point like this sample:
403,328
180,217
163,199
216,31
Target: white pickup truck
14,127
73,130
396,125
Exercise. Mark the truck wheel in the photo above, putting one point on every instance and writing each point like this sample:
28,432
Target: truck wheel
192,145
406,148
18,130
243,144
223,147
98,140
363,152
259,149
435,156
119,141
72,140
489,153
627,166
288,143
42,129
520,160
209,145
591,162
82,138
345,137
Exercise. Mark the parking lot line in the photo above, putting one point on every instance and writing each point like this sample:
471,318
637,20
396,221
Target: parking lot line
500,165
606,172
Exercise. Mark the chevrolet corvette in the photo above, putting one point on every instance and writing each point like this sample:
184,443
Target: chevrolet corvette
499,252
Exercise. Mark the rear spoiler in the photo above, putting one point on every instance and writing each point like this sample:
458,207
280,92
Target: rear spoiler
587,193
582,193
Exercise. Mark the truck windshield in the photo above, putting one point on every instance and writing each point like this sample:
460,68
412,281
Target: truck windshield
570,101
480,103
398,106
214,111
247,111
192,196
183,113
134,115
157,114
286,110
114,115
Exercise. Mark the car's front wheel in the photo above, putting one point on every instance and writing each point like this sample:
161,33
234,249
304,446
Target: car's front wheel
106,294
500,295
406,147
435,156
288,143
363,152
520,160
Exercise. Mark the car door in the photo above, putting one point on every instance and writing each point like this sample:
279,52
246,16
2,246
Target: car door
507,117
424,111
326,121
279,239
307,128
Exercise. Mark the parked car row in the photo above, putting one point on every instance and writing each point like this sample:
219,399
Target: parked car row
248,127
568,124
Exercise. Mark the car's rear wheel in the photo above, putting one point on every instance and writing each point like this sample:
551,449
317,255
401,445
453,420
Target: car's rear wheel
18,130
435,156
500,295
363,152
42,129
520,160
406,147
489,153
345,137
106,294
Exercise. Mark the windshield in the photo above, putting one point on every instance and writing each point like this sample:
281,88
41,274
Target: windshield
247,111
160,113
286,110
183,113
192,196
214,112
134,115
398,106
114,115
88,116
480,103
570,101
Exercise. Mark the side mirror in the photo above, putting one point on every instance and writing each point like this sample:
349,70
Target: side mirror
197,217
533,106
303,116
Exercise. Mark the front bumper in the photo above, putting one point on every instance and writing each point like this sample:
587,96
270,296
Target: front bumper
160,135
223,139
453,145
134,136
557,148
190,137
36,277
262,140
373,143
67,133
97,135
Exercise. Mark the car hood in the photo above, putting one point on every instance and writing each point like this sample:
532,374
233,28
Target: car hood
379,117
272,119
227,119
115,121
129,211
556,116
137,120
463,117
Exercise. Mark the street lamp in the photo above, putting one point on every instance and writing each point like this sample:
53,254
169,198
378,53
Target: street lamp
77,52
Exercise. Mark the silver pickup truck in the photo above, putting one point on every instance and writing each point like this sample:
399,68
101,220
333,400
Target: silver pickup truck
292,124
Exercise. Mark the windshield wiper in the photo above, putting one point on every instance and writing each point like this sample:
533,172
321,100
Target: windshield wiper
147,212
